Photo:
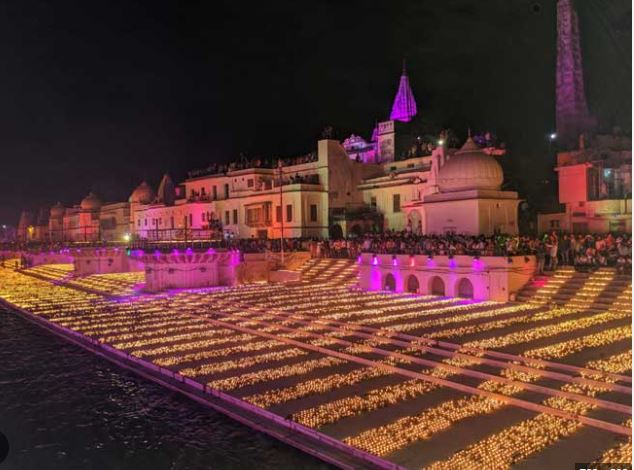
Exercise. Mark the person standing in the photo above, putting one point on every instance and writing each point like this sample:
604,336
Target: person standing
564,250
572,249
540,253
552,247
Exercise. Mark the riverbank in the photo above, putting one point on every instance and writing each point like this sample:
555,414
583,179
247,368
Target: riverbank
96,415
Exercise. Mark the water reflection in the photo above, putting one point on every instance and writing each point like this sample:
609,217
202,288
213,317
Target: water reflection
63,408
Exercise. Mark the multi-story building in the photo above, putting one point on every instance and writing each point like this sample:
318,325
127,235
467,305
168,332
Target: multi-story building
595,188
594,171
402,178
89,221
297,197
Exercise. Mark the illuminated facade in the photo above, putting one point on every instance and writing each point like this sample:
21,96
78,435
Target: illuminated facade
573,117
595,188
448,191
255,203
89,221
401,179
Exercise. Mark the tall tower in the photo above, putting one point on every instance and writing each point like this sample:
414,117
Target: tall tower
572,116
404,107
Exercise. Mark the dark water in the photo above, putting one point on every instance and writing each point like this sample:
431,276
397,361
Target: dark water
63,408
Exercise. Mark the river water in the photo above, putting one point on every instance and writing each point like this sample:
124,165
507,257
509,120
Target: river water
63,408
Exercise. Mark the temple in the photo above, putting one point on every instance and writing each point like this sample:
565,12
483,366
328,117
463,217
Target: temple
403,178
573,117
404,107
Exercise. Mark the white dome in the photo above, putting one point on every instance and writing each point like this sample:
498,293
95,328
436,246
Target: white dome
143,194
470,168
90,203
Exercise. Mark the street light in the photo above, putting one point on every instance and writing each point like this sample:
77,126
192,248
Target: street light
552,136
279,167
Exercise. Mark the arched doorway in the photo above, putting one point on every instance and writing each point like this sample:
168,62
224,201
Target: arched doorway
412,284
336,232
437,286
465,288
389,283
356,230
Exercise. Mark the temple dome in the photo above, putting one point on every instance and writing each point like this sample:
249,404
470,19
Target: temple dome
57,210
143,194
470,168
90,203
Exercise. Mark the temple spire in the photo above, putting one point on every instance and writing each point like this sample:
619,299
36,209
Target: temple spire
404,107
572,113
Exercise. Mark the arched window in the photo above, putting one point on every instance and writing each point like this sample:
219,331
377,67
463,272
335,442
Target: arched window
390,282
412,284
437,286
465,288
336,232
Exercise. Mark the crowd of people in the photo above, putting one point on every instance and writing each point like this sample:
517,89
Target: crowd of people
584,252
245,163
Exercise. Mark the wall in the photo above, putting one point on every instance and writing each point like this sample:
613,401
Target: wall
456,216
547,223
89,261
573,183
492,278
66,257
189,270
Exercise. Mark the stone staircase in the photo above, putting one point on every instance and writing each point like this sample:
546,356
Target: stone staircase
601,290
343,272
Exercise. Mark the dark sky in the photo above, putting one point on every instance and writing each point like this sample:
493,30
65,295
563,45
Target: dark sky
99,95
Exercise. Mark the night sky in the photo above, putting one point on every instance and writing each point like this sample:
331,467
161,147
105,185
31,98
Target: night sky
99,95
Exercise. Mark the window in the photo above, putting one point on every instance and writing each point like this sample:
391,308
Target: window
396,203
554,224
190,220
313,212
172,221
215,192
226,190
226,217
289,212
145,222
254,216
235,216
250,183
202,216
278,214
373,202
138,222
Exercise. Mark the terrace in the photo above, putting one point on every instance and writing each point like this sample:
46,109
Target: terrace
416,381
